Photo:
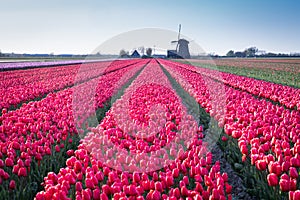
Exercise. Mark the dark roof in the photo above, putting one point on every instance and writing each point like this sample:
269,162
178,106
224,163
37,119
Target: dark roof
135,53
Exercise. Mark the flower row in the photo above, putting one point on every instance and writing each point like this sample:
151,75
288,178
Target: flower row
33,83
22,65
40,131
267,133
285,95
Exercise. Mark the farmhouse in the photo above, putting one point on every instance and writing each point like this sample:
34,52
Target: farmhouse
135,54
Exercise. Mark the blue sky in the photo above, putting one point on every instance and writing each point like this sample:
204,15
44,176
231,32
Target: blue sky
65,26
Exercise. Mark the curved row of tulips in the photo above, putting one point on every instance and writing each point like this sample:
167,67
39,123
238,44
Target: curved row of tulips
34,83
285,95
36,137
267,133
15,77
113,160
38,64
22,77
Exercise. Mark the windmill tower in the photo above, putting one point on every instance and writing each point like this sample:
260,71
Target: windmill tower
182,46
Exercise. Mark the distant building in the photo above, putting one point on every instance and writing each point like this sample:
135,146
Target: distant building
172,54
159,56
135,54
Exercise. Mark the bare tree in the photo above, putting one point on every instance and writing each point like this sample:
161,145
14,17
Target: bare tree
142,50
123,53
149,51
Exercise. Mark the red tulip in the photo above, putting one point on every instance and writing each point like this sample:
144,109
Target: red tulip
77,166
158,186
176,193
106,189
285,166
185,180
272,179
274,167
207,180
22,172
244,158
57,148
12,185
175,172
140,198
291,195
96,193
70,152
136,177
296,195
155,176
225,177
184,191
155,195
15,169
224,138
261,165
215,194
293,184
9,162
103,196
228,188
89,183
244,149
294,172
169,181
284,185
236,134
132,190
78,186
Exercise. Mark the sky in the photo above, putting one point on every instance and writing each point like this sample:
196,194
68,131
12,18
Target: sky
81,27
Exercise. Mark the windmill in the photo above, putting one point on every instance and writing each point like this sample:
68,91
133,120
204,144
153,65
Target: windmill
182,46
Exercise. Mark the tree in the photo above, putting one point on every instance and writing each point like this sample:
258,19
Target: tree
149,51
230,53
251,51
123,53
142,50
240,54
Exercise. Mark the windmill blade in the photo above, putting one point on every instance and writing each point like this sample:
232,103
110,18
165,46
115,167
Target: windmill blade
178,37
174,41
179,31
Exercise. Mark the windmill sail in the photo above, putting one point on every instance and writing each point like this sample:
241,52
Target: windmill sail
178,37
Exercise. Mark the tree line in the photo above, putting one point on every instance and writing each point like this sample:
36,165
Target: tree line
254,52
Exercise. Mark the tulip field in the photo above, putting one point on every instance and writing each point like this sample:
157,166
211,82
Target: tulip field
149,129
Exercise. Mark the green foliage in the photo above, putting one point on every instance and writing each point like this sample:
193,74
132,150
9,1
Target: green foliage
276,76
254,180
230,53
